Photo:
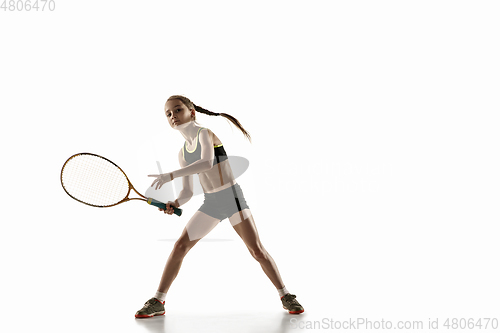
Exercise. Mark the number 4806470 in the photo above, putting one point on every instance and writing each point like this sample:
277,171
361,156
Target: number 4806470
28,5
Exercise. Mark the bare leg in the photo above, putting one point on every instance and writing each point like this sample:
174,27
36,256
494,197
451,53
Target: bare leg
247,230
200,224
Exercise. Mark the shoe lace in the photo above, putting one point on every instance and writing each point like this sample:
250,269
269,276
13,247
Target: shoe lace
291,299
148,304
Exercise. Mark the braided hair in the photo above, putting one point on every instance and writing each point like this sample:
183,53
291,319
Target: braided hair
190,105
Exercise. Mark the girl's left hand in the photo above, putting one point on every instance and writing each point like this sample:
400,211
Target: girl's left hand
161,179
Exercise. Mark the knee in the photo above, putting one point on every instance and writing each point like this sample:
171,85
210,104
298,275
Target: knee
180,248
259,253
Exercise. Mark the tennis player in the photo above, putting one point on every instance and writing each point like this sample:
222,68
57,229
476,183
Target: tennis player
204,154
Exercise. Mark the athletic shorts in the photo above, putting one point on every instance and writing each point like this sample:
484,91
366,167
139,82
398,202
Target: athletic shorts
225,203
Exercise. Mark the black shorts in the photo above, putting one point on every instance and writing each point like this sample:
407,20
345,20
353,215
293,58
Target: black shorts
225,203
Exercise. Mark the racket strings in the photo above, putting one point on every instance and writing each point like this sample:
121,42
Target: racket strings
94,180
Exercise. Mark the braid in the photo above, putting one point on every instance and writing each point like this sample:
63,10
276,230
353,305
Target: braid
190,105
205,111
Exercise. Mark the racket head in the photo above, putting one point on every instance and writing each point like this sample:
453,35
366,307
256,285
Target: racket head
94,180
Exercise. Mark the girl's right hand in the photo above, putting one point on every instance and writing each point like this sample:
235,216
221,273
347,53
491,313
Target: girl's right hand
170,209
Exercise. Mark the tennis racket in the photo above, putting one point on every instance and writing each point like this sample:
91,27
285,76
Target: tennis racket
96,181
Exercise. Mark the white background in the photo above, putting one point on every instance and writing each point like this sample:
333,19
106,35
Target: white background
373,176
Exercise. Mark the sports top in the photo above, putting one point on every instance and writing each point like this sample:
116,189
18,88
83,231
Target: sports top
195,154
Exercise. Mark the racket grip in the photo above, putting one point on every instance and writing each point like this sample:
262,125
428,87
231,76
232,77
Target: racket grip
151,201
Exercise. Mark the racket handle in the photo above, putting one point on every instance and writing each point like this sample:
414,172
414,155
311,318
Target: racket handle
151,201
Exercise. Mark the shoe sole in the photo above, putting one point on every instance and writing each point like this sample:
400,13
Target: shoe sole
151,315
293,312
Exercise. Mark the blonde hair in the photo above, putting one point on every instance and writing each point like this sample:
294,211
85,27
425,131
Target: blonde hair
190,105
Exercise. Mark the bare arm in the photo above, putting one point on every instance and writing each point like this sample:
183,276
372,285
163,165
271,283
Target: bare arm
206,161
187,185
204,164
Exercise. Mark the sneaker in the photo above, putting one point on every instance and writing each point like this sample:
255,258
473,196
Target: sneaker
291,304
152,307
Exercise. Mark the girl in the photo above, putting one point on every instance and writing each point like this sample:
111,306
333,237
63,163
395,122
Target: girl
204,154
